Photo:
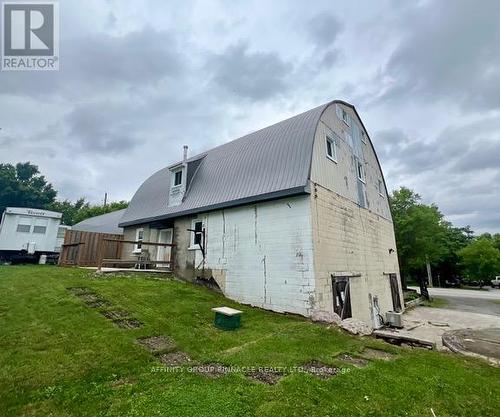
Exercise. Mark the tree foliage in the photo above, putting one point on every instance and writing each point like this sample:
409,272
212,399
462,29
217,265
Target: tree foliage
22,185
91,211
420,230
449,265
423,235
80,210
481,258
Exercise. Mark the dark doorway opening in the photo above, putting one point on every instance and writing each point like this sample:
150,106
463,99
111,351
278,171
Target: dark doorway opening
396,299
341,297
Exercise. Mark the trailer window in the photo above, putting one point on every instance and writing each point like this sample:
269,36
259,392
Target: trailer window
40,226
24,225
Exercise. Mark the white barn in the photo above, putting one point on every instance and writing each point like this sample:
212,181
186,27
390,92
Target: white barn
292,218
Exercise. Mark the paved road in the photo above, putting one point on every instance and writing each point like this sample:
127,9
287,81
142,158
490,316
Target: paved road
474,301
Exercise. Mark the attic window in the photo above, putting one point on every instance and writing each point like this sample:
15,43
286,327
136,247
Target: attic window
361,171
345,117
331,149
177,178
363,137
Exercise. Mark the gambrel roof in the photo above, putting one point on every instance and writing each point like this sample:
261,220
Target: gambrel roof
270,163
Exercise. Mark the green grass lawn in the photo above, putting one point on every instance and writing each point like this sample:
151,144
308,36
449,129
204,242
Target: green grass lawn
58,357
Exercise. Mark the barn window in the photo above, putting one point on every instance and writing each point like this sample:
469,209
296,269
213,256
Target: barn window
381,188
197,235
361,171
177,178
345,117
24,225
331,149
139,237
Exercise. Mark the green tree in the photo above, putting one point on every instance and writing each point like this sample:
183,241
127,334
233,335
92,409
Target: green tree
420,231
456,238
80,210
69,210
22,185
481,259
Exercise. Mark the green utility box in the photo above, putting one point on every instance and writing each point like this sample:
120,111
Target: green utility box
227,318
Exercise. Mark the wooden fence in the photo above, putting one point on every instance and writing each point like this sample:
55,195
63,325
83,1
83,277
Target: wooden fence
84,248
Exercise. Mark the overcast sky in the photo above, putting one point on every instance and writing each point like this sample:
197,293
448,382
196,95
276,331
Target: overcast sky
139,79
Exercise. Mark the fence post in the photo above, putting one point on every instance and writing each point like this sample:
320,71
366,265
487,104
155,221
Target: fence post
100,255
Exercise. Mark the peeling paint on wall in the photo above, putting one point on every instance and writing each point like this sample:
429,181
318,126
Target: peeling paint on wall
267,251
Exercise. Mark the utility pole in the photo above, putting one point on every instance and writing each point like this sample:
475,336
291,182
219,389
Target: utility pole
429,272
105,199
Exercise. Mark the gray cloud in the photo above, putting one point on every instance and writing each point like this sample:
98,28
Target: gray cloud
324,29
456,169
250,75
449,50
136,59
101,127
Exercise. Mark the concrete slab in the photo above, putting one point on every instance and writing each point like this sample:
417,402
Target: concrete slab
429,324
483,343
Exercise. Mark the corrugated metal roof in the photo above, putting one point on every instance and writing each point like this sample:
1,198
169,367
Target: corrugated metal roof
105,223
270,163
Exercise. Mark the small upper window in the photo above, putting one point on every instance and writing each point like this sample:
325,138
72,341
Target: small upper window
381,188
331,149
178,178
345,117
361,171
363,136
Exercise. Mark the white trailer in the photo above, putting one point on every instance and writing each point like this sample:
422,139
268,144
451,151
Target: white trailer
27,233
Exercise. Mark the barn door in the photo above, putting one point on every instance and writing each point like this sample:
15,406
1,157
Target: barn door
341,297
396,299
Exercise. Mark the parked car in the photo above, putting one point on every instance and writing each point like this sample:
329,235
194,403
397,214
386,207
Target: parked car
453,282
496,282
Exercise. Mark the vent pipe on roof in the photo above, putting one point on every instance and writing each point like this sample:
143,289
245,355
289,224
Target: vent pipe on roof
185,154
